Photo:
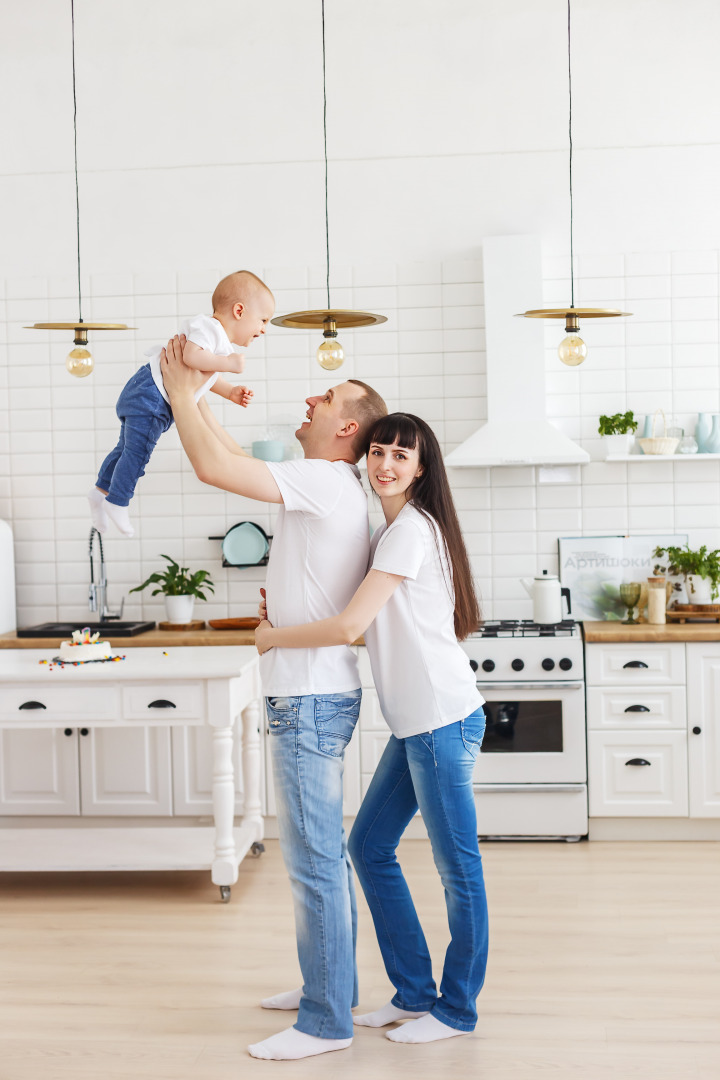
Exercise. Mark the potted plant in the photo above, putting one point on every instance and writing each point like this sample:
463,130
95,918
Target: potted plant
700,570
180,589
618,433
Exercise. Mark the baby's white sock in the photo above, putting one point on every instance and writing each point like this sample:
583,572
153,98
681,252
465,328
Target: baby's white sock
387,1015
96,498
425,1030
120,518
289,1000
289,1045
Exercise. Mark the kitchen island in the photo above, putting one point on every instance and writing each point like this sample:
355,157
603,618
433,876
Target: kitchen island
100,740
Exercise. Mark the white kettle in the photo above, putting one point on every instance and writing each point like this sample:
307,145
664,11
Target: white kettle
546,595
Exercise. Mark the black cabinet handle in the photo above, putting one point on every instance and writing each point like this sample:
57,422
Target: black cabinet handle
162,703
637,761
32,705
68,731
84,731
635,663
696,730
637,708
474,665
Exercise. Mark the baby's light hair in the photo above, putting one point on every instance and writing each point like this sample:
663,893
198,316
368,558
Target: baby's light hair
237,288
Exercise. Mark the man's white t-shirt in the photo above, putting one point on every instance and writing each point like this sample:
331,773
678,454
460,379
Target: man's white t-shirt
422,675
205,331
318,559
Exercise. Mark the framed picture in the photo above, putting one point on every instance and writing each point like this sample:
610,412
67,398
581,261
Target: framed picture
594,567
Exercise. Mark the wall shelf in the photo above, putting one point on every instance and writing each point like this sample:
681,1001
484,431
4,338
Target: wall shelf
638,458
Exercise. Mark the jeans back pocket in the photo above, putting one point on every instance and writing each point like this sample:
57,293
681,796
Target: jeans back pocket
335,718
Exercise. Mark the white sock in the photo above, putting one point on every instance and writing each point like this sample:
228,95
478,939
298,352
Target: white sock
120,518
97,509
387,1015
425,1030
289,1000
291,1044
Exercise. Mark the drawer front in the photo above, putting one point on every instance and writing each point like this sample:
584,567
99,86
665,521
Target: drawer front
635,709
644,664
637,775
164,701
38,705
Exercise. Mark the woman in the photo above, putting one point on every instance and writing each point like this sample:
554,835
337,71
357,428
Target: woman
414,604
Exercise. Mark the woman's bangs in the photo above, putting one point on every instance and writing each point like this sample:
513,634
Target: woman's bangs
395,428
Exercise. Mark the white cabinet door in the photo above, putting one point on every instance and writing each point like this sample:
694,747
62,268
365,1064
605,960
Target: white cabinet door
637,774
125,772
39,771
192,759
704,728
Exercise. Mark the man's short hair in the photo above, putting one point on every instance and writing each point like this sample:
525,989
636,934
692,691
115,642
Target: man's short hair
237,288
366,409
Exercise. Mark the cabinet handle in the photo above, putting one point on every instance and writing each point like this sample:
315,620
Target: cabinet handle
635,663
32,705
637,708
696,730
637,761
68,731
162,703
84,731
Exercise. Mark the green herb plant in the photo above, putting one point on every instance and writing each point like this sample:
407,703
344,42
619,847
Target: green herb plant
618,424
177,581
684,561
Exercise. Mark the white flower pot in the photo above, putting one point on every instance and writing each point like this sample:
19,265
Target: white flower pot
179,609
698,589
618,445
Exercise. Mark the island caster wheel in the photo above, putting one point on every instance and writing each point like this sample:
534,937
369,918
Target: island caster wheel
225,893
257,849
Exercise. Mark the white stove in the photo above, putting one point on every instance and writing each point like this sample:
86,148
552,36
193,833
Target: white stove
531,776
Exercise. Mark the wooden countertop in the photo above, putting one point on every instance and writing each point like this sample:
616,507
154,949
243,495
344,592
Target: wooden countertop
150,639
616,631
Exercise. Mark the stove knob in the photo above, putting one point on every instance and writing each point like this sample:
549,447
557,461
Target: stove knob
548,664
517,665
565,663
474,665
488,665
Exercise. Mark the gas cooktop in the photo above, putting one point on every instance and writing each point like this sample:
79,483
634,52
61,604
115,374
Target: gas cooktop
526,628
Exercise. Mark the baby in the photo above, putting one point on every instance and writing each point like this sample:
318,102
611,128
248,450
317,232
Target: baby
242,307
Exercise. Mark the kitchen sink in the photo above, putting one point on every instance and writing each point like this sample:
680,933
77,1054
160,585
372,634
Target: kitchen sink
112,628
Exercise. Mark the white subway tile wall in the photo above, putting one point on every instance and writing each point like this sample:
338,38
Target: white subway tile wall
428,358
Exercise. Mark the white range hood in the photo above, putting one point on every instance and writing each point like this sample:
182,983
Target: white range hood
517,431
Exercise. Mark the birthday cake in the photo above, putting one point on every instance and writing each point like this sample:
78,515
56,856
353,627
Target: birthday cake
83,647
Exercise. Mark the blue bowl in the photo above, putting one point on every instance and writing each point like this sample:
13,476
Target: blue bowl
268,450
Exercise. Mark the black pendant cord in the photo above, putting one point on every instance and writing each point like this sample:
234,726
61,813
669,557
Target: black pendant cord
77,190
327,225
572,272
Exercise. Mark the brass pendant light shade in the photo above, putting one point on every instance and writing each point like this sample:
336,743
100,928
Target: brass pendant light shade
572,349
316,320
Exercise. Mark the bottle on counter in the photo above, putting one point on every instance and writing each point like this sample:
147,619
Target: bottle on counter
657,600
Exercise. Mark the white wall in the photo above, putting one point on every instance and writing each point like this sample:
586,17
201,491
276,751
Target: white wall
200,146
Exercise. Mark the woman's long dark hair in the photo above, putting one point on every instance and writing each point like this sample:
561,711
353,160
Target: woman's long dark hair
430,494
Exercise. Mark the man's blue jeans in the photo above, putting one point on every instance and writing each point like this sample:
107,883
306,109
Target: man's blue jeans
432,771
308,737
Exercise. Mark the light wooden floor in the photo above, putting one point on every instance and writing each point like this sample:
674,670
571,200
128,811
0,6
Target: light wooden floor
605,960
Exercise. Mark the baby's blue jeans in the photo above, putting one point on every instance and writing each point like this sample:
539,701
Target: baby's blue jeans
144,415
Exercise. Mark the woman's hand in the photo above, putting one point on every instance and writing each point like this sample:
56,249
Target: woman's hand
262,635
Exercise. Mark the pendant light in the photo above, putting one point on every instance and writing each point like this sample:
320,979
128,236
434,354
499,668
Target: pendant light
79,361
330,354
572,349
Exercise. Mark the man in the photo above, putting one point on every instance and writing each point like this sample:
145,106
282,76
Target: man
318,559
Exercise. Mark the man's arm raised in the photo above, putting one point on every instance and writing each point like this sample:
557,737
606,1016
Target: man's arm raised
212,461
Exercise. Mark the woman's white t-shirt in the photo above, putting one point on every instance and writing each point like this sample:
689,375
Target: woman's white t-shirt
422,675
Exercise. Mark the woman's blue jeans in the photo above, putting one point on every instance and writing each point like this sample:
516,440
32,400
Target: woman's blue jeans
308,737
432,771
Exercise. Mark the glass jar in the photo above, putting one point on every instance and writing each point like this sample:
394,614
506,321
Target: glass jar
657,600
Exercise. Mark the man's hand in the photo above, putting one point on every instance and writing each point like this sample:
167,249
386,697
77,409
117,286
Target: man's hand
178,378
262,633
262,608
241,395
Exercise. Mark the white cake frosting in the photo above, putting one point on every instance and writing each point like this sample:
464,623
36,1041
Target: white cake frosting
84,647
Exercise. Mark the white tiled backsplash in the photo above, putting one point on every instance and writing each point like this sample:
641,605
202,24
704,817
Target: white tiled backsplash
428,358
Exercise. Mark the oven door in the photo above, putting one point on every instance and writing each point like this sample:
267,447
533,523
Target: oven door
535,733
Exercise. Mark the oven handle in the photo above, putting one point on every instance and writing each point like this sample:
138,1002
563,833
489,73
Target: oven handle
569,788
530,685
